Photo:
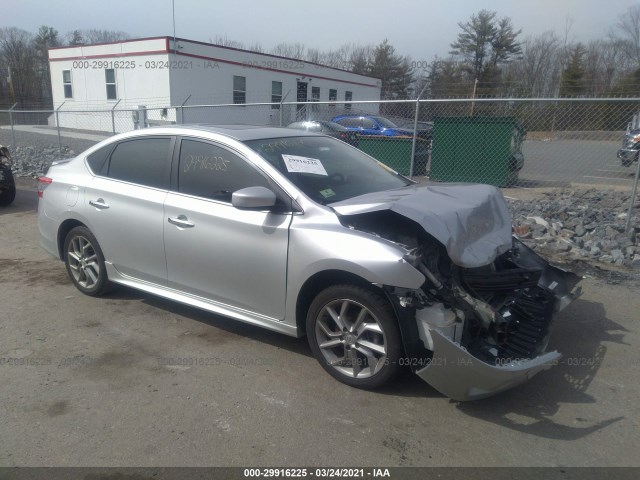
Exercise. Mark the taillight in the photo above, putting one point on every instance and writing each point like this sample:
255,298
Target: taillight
43,183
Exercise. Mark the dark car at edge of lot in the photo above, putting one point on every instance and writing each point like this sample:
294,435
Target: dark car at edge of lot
372,125
630,148
328,128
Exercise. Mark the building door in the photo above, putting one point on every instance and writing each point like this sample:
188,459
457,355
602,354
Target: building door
301,110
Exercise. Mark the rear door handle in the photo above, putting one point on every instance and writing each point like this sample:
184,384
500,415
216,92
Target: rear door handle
181,221
100,204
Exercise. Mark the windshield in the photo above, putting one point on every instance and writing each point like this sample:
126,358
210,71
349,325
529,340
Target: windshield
385,123
325,169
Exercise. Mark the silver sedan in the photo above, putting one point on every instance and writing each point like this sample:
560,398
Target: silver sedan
306,235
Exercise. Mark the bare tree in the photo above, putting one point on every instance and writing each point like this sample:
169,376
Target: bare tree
626,34
225,41
104,36
290,50
537,71
17,56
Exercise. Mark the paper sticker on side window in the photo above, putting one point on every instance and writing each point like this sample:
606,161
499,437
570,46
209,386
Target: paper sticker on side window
297,164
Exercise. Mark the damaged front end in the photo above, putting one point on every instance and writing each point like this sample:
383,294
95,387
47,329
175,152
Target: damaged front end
486,329
472,331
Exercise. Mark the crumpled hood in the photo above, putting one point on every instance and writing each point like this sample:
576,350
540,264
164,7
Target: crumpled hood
471,221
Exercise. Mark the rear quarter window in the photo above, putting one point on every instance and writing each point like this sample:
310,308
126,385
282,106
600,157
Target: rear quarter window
98,160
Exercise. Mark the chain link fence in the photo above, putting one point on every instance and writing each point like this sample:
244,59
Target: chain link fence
521,143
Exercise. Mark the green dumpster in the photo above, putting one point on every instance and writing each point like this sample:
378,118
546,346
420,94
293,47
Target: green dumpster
395,152
477,149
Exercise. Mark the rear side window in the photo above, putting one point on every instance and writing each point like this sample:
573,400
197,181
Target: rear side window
143,161
209,171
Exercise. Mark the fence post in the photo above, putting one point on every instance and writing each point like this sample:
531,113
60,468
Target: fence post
633,198
415,132
13,133
58,129
415,138
281,102
113,117
182,109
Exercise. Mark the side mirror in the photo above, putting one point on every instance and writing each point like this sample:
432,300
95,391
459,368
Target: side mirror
253,197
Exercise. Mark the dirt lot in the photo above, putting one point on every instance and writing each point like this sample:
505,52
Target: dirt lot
134,380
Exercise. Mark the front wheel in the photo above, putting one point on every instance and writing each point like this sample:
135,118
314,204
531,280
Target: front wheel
8,189
353,333
85,262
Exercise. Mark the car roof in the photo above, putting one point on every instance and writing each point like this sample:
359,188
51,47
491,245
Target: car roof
237,132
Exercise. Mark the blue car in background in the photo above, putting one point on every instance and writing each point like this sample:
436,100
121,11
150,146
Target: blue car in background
371,125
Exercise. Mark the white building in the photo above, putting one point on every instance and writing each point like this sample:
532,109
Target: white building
151,75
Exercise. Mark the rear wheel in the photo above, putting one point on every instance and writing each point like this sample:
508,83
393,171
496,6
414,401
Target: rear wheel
353,333
85,262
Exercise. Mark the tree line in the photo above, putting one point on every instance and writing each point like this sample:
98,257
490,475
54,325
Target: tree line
489,57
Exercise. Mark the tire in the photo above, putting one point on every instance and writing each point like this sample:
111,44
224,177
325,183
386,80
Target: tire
85,262
627,162
358,331
7,193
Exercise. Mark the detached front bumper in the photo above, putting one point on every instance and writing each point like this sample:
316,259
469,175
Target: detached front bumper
460,376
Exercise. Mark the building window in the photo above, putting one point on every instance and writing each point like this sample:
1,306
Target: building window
110,79
315,97
276,94
239,89
348,96
333,96
66,81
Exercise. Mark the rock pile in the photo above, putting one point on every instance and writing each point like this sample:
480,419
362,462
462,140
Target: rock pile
31,161
587,225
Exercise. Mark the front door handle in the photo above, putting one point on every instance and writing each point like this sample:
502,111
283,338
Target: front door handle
181,221
100,204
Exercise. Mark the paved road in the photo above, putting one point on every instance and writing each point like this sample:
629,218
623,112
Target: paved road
561,162
52,131
90,383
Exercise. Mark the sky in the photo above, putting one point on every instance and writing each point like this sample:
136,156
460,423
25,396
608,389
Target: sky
420,29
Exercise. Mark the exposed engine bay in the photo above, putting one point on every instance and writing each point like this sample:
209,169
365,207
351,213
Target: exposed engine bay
500,313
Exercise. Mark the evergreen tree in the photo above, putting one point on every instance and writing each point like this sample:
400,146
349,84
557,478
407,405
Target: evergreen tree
484,44
572,82
46,38
393,70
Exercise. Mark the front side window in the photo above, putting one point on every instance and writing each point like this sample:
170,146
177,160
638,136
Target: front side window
386,123
66,82
368,123
239,89
325,169
276,95
110,80
209,171
144,161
